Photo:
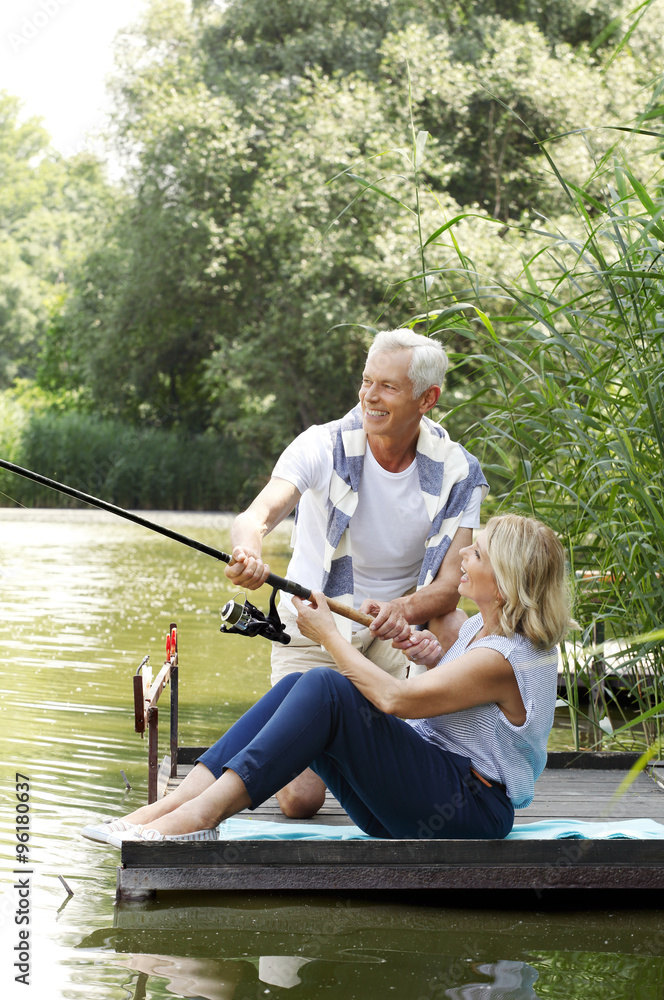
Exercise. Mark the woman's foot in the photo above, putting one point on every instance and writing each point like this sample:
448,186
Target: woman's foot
100,832
143,834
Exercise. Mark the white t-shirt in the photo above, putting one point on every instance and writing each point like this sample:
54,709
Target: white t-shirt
388,530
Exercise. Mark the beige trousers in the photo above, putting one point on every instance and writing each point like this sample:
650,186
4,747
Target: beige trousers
301,654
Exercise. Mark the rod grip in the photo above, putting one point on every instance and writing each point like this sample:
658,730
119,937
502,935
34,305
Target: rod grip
280,583
347,612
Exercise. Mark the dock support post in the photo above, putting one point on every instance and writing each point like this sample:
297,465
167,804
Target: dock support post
597,693
131,895
153,762
174,711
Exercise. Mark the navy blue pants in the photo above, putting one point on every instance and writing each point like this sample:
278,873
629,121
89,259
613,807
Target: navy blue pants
390,781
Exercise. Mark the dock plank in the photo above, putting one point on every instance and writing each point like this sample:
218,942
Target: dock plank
342,878
572,787
399,853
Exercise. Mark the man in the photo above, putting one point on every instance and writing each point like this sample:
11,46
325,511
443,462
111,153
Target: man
385,502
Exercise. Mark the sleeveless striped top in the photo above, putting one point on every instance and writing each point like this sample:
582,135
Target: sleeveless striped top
515,756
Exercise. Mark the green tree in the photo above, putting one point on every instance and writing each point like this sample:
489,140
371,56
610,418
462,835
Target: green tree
48,210
237,286
228,270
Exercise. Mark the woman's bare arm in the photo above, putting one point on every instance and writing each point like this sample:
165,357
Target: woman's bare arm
480,676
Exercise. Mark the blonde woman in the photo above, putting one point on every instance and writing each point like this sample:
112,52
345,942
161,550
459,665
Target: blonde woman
449,753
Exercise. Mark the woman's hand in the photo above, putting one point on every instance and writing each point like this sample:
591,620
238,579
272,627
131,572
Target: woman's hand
315,620
422,648
389,620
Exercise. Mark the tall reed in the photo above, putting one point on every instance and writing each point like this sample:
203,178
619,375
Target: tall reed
570,375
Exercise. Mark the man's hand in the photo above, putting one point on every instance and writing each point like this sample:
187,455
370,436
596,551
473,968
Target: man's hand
247,569
315,620
422,648
271,506
389,621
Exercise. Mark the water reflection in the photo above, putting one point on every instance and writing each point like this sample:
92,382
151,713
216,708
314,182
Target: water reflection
304,977
511,980
234,948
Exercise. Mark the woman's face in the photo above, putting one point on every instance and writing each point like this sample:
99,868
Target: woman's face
477,579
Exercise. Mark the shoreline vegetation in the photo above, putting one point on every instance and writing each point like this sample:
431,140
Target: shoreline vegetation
132,467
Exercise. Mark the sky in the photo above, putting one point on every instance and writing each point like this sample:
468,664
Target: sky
55,56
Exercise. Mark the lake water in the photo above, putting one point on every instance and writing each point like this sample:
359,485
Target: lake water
84,596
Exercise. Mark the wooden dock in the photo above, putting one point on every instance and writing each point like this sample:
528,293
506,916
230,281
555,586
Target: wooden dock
574,786
578,786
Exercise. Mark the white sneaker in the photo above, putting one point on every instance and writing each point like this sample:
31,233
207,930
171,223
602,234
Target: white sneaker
102,831
142,834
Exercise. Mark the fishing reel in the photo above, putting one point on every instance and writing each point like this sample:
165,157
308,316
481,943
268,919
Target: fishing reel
245,619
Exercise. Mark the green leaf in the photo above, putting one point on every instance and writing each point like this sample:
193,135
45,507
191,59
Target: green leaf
420,143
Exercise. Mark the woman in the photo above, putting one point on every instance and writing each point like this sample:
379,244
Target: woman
448,753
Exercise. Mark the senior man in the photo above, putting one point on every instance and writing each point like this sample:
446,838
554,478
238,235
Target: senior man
385,501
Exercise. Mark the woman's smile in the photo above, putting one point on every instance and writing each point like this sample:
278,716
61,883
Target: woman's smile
477,579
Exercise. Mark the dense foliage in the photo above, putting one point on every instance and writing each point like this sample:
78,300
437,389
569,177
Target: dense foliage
232,284
567,360
50,211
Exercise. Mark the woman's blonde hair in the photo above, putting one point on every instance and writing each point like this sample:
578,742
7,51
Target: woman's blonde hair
528,564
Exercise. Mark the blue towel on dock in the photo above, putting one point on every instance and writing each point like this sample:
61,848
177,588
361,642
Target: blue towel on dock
554,829
577,829
238,828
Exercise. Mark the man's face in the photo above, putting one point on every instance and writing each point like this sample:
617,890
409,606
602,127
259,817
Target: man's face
386,395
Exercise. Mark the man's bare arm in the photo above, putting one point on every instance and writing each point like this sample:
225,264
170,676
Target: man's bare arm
275,502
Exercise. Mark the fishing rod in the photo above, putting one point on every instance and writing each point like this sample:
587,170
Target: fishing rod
245,619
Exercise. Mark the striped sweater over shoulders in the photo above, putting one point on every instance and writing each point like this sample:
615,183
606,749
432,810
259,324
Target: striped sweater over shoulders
513,755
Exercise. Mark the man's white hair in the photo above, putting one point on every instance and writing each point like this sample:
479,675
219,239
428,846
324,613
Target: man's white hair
429,361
